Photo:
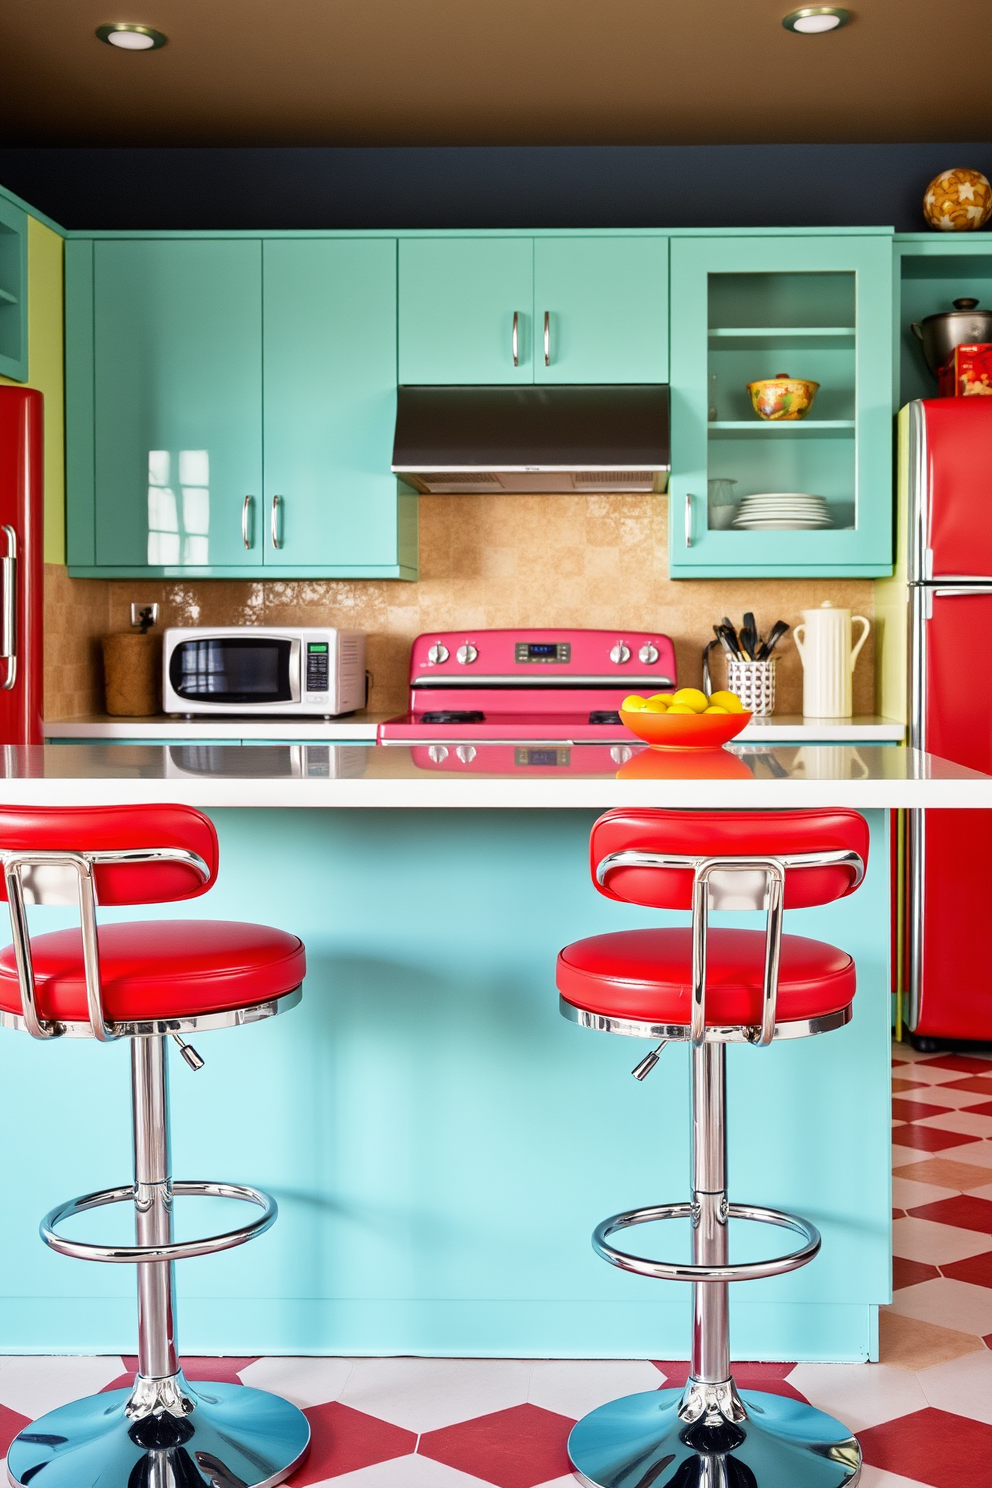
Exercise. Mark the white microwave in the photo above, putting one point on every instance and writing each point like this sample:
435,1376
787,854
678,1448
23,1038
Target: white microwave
249,669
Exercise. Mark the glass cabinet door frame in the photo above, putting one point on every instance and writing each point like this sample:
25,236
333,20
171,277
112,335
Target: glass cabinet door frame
866,550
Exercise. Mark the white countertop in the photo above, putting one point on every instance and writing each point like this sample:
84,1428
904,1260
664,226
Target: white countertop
356,775
781,728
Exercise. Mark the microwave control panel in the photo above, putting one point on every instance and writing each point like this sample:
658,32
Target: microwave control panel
318,666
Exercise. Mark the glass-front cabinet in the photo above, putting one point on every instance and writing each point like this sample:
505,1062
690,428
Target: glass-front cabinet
753,495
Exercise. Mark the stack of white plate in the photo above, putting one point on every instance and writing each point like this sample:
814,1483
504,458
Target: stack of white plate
783,510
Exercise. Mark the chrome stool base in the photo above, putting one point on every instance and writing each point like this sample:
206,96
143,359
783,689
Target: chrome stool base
228,1436
746,1440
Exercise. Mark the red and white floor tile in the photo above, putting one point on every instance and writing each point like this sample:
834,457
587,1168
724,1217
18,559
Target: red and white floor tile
923,1415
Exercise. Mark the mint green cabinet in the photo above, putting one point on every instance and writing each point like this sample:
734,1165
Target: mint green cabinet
524,310
330,405
177,389
466,310
601,309
748,308
192,451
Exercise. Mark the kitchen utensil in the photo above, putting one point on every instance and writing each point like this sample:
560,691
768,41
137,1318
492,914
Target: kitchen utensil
828,657
782,396
767,646
940,334
685,730
724,639
732,635
958,200
754,684
707,683
749,636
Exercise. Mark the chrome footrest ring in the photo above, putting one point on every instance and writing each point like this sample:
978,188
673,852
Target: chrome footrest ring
177,1250
674,1271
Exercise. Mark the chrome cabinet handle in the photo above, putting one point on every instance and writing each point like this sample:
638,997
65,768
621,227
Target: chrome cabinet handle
688,520
275,522
245,513
8,638
516,338
547,338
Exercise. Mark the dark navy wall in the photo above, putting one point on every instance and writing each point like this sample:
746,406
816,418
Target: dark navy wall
567,186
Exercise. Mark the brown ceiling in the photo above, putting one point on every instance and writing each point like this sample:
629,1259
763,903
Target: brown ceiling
406,72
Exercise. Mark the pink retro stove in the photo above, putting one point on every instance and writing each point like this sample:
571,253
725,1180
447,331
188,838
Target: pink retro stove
550,688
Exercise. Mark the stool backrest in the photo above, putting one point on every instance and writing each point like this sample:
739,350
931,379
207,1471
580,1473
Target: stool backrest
833,843
91,855
139,854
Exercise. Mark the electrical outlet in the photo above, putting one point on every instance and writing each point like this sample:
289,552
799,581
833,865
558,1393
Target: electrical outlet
136,614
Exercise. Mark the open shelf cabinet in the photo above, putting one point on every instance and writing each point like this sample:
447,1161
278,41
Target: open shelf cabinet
744,309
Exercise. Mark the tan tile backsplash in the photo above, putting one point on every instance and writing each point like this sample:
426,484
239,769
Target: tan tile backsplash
490,561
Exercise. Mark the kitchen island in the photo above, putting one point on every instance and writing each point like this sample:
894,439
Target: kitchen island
440,1141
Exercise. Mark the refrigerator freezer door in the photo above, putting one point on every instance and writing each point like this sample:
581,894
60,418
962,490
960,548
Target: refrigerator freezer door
951,485
21,570
951,851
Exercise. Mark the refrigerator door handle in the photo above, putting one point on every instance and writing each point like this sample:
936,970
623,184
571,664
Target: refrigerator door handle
955,591
8,624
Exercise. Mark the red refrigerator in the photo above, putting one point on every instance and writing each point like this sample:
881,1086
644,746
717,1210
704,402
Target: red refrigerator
21,565
949,853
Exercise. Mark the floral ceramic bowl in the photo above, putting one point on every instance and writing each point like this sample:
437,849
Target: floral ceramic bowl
782,397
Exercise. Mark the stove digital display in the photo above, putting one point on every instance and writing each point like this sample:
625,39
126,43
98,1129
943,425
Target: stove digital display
542,757
559,651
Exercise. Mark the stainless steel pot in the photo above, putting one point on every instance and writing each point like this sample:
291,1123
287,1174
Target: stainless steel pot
958,327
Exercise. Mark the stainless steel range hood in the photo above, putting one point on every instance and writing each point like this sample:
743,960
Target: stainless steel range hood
473,440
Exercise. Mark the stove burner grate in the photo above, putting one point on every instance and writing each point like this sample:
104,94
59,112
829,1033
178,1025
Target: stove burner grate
454,715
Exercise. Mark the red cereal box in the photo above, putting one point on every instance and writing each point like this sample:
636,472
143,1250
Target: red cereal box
968,373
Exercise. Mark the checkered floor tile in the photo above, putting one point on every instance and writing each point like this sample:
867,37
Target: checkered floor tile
923,1415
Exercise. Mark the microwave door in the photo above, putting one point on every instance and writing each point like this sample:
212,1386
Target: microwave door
950,482
240,671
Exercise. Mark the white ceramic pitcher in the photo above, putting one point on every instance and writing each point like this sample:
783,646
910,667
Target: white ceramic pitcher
824,645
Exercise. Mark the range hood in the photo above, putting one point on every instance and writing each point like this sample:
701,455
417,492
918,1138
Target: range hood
474,440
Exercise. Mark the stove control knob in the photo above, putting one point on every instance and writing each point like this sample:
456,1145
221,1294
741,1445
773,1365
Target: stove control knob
466,753
437,654
648,654
466,654
438,753
620,653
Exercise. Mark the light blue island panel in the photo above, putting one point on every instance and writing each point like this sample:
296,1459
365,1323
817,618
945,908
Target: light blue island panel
441,1142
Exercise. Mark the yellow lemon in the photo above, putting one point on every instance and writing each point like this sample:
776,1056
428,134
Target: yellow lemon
662,697
711,709
681,708
692,698
728,701
655,705
634,703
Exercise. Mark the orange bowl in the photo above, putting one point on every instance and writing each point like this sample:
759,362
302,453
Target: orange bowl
684,730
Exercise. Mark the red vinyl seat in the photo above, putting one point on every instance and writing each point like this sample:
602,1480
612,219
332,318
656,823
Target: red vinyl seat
646,975
159,969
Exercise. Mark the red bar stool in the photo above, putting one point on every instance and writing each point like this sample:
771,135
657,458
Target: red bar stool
144,982
712,987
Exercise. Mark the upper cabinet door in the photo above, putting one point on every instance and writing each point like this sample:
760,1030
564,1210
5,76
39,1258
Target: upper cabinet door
749,308
330,403
601,310
465,310
178,403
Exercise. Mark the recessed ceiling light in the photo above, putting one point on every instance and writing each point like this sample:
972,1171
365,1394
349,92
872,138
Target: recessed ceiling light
813,19
131,38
